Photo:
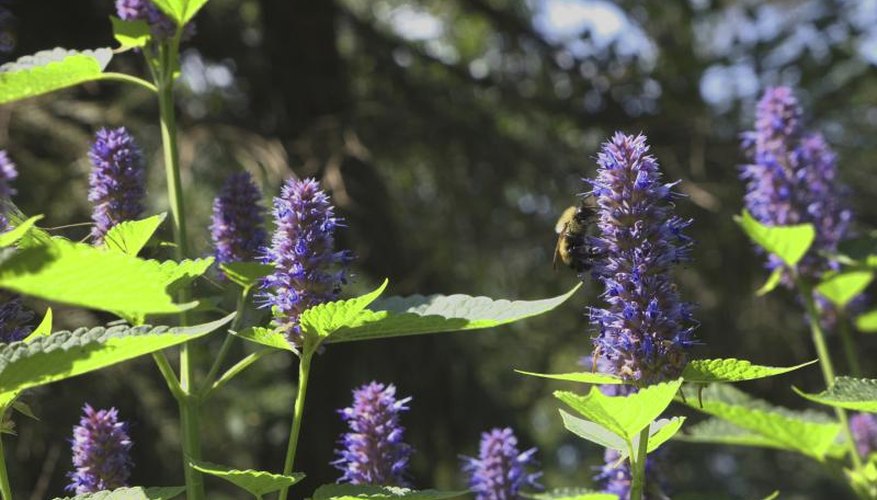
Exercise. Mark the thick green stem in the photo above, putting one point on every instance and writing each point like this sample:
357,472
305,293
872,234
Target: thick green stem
189,407
5,489
826,365
304,368
638,466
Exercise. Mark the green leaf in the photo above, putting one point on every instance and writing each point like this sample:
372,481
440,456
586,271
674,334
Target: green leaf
867,322
50,70
79,274
16,233
624,415
732,370
772,282
354,491
858,394
256,482
809,433
660,431
130,34
177,275
717,431
67,354
131,236
414,315
789,243
841,288
266,337
571,494
43,329
324,319
773,496
134,493
246,274
181,11
580,377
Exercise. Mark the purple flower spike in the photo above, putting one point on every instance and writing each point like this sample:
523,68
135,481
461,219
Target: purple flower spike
373,452
162,26
792,179
101,449
645,330
15,320
864,429
237,228
8,173
116,180
307,269
500,471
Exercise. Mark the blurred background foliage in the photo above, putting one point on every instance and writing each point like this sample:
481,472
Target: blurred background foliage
452,134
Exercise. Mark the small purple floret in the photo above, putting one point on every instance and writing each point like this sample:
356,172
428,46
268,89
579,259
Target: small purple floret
8,173
374,452
307,269
645,329
116,181
15,320
101,448
864,429
615,477
162,26
501,470
237,227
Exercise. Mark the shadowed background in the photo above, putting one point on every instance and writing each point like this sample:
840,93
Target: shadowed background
452,134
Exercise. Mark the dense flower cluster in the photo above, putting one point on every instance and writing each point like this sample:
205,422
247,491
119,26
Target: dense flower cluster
307,269
792,178
101,449
864,429
374,452
237,224
116,181
500,471
15,320
144,10
645,329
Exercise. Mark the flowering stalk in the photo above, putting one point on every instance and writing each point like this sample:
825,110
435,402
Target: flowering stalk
116,182
100,452
304,369
500,471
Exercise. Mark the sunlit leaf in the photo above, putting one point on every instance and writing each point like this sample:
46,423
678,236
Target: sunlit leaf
580,377
131,236
16,233
130,34
134,493
356,491
841,288
858,394
50,70
789,243
732,370
256,482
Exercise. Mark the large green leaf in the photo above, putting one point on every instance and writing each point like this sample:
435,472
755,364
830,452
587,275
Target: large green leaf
355,491
256,482
79,274
266,337
181,11
858,394
50,70
580,377
414,315
134,493
179,274
131,236
130,34
809,433
717,431
571,494
732,370
67,354
789,243
626,416
16,233
841,288
246,274
660,431
325,319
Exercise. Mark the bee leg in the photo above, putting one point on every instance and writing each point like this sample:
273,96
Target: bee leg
700,388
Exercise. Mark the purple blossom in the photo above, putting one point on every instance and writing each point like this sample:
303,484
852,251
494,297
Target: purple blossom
373,452
101,449
615,477
307,269
116,180
864,429
161,25
501,470
792,178
15,320
8,173
237,227
645,329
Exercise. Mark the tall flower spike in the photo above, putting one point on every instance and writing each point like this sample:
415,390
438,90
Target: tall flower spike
307,269
237,226
864,429
8,173
373,452
116,181
501,470
792,178
645,330
101,449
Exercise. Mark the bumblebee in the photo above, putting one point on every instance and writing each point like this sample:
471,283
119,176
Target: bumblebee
572,237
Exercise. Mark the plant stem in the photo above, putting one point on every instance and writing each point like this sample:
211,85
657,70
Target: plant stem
234,371
846,338
189,407
168,373
226,343
638,466
122,77
826,365
5,489
304,368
